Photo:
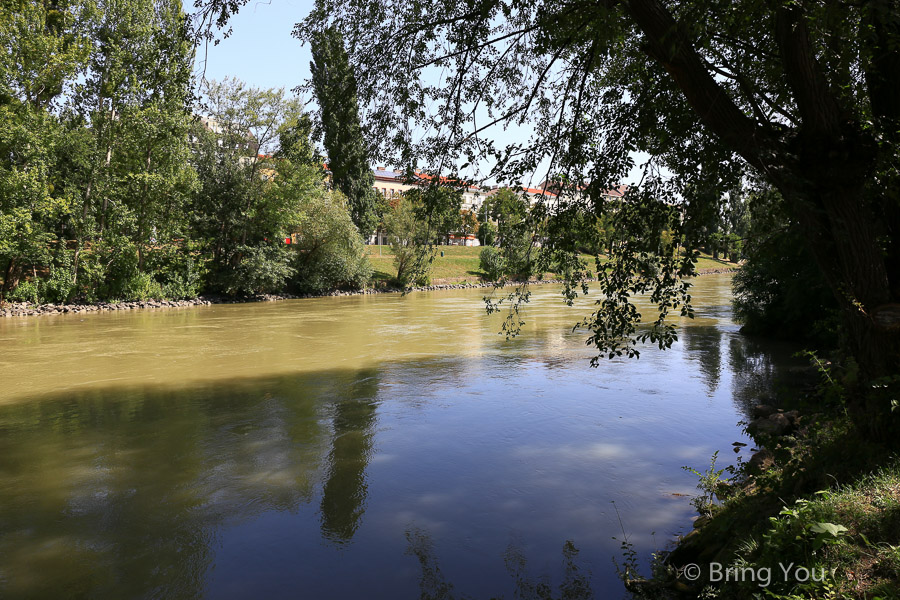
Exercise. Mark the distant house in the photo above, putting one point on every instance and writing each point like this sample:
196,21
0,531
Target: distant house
244,141
391,184
576,192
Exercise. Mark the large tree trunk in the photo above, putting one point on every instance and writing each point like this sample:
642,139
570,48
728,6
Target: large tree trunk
831,201
7,278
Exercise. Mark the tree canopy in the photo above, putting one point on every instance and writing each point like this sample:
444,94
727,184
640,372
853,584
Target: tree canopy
797,96
335,88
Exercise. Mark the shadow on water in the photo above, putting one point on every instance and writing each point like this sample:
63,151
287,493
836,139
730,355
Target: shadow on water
333,483
434,585
121,493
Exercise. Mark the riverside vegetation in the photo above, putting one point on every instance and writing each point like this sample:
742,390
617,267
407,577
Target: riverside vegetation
114,190
817,496
771,130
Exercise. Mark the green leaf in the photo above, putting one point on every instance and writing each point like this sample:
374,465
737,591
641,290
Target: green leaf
829,528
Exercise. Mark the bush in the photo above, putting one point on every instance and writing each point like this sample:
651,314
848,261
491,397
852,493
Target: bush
27,291
329,253
779,291
57,288
262,270
492,263
332,268
139,286
176,270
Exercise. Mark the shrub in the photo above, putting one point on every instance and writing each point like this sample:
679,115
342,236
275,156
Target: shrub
26,291
329,253
492,263
261,270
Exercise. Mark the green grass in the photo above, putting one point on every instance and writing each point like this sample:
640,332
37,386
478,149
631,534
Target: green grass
462,263
831,502
706,261
458,263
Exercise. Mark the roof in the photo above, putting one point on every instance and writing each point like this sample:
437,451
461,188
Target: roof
387,174
538,192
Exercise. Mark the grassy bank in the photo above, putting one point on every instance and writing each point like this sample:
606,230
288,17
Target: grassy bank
816,514
461,263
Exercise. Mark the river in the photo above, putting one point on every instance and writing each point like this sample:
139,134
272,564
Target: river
354,447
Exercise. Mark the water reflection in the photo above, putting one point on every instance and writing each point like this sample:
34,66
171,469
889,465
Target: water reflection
762,370
342,483
344,494
434,585
121,494
704,345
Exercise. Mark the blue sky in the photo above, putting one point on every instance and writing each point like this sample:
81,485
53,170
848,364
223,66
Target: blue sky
261,51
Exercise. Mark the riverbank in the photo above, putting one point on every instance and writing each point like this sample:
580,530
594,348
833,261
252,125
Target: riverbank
25,309
815,513
458,263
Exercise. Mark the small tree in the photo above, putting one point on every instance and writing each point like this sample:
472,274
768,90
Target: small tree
468,223
410,241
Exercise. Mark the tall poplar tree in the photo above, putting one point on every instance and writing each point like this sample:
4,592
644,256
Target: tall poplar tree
334,84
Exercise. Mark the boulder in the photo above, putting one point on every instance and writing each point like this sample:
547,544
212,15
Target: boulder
762,411
775,425
760,461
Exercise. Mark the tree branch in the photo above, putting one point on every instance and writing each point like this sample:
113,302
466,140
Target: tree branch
710,101
819,111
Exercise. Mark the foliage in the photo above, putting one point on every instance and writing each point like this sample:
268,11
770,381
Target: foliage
28,204
508,210
111,189
487,233
335,88
709,484
263,269
239,211
437,208
329,252
410,242
779,291
468,223
492,263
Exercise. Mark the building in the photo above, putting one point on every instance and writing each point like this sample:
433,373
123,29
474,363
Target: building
391,184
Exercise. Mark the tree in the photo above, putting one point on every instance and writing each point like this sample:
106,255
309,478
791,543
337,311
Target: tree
508,210
515,232
330,253
438,208
411,240
335,88
237,213
468,223
328,250
127,120
45,49
802,95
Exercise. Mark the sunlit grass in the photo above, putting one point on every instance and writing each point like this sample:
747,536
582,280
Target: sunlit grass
458,263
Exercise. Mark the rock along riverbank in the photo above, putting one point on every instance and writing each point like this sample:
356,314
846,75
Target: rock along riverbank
25,309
